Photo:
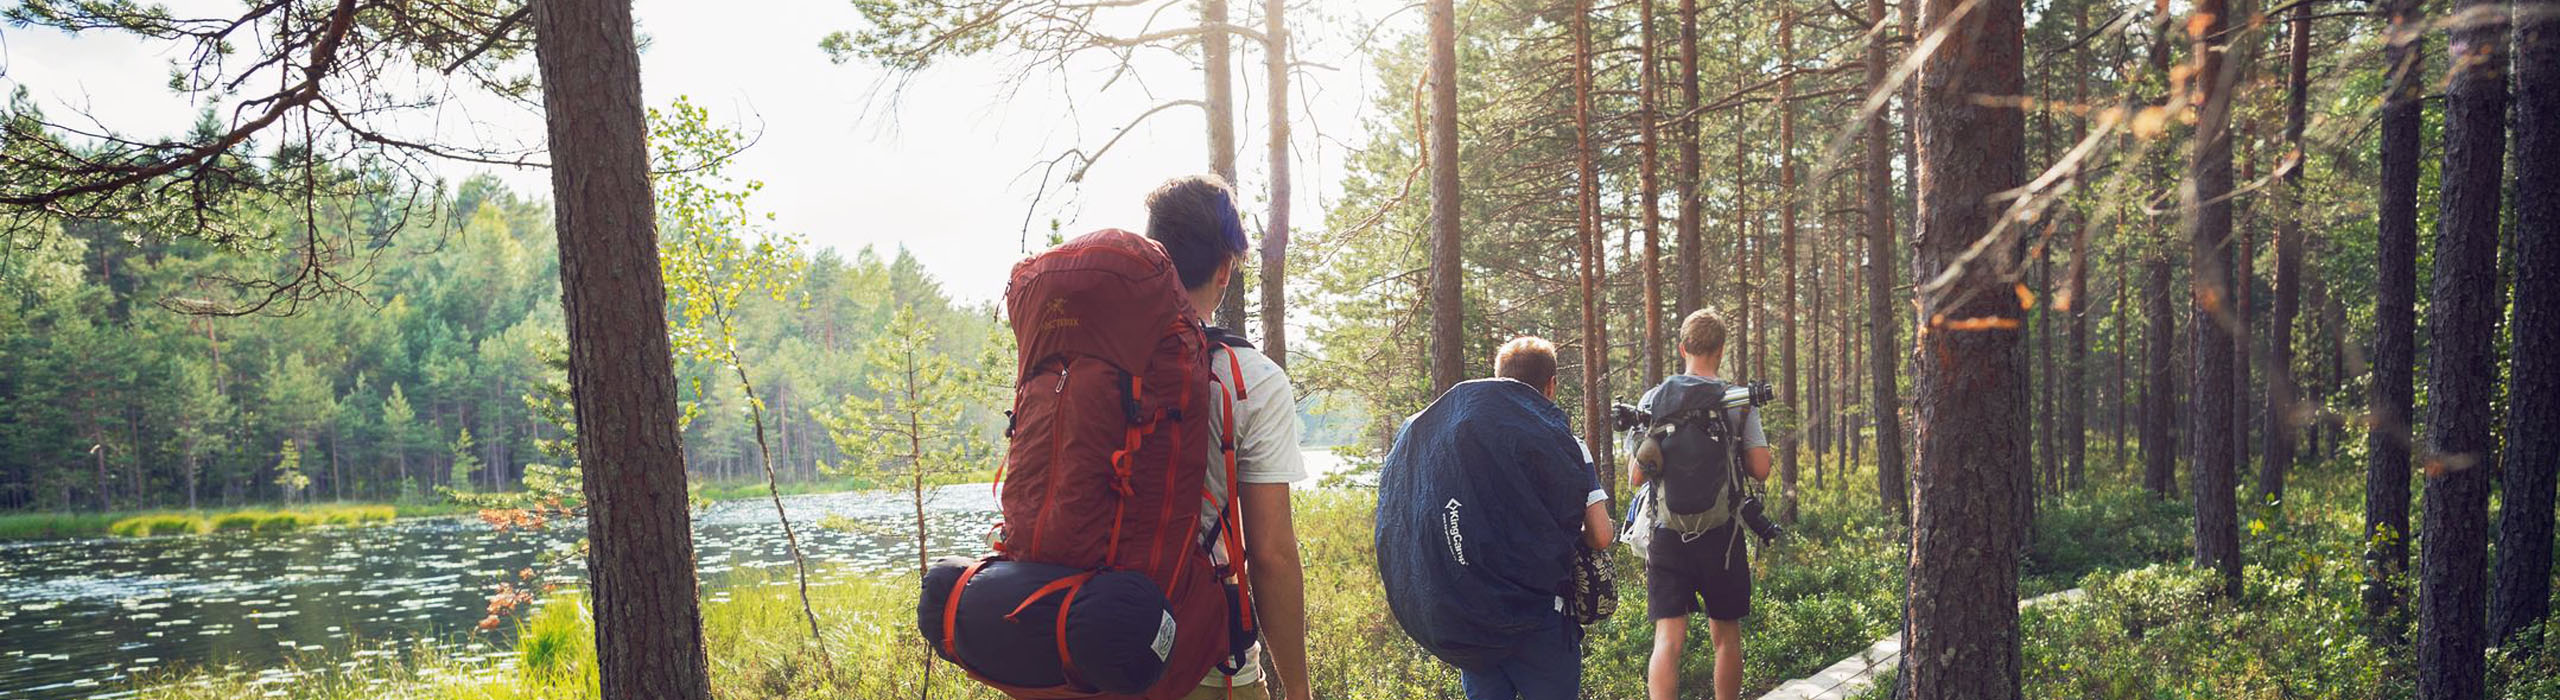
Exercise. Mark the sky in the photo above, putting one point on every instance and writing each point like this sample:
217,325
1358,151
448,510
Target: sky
939,169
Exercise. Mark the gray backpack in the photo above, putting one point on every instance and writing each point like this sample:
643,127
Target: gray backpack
1692,440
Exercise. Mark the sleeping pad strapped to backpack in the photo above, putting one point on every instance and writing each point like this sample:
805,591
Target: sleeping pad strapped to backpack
1479,506
1102,584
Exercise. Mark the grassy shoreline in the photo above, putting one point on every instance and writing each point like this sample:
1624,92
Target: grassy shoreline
278,518
1828,590
2147,627
149,523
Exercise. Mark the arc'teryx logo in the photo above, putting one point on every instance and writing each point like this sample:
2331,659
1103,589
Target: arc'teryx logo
1457,540
1056,310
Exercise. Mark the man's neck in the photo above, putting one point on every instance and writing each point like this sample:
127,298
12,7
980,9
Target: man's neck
1702,366
1204,301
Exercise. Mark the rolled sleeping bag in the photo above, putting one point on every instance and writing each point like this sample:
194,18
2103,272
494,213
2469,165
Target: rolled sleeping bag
1118,626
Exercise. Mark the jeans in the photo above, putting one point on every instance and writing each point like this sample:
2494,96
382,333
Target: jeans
1547,665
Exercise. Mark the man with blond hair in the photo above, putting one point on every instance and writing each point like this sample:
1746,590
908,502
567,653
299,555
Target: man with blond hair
1707,571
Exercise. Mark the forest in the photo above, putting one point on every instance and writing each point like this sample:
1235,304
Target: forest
2123,348
432,376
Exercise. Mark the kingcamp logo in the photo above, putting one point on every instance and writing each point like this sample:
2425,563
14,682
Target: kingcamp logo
1457,540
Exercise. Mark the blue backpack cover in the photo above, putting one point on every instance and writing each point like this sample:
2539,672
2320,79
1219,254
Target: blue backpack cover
1479,505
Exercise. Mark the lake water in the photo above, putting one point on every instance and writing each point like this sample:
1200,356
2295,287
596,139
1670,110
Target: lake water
88,618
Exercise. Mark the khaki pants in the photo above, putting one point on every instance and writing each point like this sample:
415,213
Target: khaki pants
1254,691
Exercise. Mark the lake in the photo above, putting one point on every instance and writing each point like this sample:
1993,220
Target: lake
88,618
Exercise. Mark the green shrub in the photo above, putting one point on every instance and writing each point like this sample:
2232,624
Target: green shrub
238,521
352,515
556,646
160,524
281,521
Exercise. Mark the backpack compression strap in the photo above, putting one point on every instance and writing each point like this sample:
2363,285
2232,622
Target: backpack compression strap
1229,527
1072,585
951,609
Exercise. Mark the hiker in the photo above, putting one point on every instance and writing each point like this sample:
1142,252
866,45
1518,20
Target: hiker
1483,504
1126,567
1696,560
1195,219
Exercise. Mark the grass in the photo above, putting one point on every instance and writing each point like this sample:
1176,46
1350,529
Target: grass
744,489
47,526
162,523
2146,629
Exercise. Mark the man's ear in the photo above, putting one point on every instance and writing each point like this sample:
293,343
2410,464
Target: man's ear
1226,270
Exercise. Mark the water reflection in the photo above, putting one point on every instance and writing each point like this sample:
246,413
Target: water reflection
84,618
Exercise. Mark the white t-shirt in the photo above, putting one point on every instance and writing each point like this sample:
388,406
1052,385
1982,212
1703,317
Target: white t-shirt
1266,453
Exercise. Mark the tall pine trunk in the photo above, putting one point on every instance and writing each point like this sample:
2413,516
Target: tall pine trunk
2522,593
2160,382
1649,188
1448,304
2386,500
1275,235
2205,213
2048,460
1595,329
2120,305
1963,579
1789,389
2462,368
1746,229
1217,58
1692,278
2075,368
2284,421
622,377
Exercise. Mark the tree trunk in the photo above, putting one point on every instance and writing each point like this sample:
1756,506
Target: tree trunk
2386,484
2283,417
1448,336
1275,234
1963,581
2312,398
640,554
1218,75
1817,386
2048,463
2120,303
2074,442
1595,329
2244,258
2522,593
2205,212
1649,186
2159,392
1790,390
1843,387
2075,368
2462,368
1747,243
1692,279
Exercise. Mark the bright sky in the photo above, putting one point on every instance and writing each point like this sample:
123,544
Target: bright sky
943,173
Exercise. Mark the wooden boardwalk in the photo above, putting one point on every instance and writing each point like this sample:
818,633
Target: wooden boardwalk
1852,675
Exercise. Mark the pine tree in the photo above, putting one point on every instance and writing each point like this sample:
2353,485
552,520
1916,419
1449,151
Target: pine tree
289,477
465,455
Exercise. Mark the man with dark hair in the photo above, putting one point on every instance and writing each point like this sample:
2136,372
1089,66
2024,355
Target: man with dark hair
1708,572
1195,219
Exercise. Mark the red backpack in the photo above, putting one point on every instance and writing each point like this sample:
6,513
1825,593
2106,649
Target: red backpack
1102,585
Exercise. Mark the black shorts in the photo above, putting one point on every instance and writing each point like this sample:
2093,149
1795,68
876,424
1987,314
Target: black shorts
1709,574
